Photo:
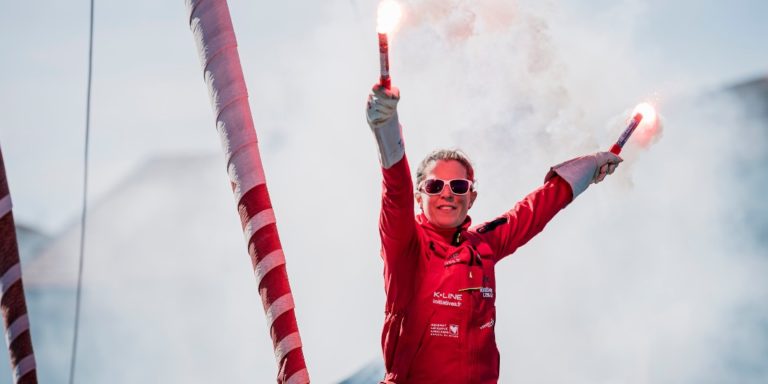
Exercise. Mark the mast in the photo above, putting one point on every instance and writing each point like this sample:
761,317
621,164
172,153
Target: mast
215,37
12,301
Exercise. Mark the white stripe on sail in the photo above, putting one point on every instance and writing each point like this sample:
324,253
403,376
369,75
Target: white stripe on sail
9,278
287,344
300,377
268,263
259,221
245,170
5,205
25,366
278,307
17,328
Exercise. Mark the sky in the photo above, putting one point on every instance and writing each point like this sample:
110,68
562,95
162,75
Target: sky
519,85
145,98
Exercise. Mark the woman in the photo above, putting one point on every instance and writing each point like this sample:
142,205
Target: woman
438,270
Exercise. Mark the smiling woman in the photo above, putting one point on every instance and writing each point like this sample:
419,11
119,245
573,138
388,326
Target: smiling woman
439,275
445,207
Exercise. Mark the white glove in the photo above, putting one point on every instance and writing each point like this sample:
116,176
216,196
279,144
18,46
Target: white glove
381,113
607,163
382,105
585,170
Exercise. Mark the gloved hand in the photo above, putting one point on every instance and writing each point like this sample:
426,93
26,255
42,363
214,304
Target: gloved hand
382,105
606,164
585,170
381,113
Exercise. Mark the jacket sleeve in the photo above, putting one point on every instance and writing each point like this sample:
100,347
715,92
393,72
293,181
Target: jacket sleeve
397,223
517,226
400,247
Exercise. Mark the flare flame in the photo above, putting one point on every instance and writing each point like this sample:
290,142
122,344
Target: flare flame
389,14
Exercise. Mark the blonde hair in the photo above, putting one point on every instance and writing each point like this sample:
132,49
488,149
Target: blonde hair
444,154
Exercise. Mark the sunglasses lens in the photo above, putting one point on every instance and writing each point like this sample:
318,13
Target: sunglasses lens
433,186
460,187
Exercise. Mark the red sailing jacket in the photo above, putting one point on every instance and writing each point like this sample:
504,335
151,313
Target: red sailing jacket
440,313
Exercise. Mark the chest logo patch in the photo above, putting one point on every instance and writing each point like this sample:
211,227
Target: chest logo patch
444,330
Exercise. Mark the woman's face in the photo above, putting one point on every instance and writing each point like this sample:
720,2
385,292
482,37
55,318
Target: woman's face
445,209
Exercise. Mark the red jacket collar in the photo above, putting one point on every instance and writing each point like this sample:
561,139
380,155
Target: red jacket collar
446,234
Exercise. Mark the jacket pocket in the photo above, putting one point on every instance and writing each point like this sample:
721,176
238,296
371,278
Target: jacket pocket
437,358
404,341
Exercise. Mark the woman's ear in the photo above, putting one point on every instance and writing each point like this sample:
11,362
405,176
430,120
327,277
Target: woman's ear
417,196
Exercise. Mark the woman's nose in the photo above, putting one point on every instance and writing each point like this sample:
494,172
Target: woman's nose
446,192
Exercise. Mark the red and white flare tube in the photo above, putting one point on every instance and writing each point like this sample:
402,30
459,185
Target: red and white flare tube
384,79
616,148
388,17
642,111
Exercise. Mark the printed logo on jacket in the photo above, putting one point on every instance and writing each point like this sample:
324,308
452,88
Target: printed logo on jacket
444,330
447,299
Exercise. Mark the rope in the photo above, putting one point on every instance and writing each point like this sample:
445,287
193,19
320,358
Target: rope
78,296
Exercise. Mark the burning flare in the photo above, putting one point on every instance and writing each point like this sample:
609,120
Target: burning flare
647,111
649,129
644,113
389,14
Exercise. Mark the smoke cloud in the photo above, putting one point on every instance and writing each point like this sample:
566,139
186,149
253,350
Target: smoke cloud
644,278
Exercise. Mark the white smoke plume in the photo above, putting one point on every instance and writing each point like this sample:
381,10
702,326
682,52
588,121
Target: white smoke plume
644,278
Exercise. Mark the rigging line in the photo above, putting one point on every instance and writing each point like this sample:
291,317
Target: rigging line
85,201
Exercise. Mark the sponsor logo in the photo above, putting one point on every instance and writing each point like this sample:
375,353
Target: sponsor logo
447,299
452,259
487,292
447,296
444,330
488,324
447,303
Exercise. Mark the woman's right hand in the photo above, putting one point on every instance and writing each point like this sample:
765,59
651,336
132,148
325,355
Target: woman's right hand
382,105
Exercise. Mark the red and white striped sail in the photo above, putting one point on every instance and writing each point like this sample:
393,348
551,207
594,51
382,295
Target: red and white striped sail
12,300
215,37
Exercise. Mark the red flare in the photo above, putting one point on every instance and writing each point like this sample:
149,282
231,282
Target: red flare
644,113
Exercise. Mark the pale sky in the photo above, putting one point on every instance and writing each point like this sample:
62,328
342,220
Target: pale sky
146,76
531,84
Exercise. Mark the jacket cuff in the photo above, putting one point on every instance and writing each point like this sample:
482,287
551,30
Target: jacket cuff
578,173
389,138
